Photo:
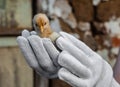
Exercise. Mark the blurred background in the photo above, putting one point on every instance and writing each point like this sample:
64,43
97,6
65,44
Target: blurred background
95,22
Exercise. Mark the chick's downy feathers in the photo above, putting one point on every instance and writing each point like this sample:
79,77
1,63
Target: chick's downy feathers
41,25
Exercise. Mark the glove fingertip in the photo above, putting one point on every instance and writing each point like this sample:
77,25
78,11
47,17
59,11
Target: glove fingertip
33,33
62,56
25,30
62,73
34,38
25,33
59,42
20,39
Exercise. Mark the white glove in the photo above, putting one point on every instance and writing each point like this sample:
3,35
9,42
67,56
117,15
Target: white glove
39,53
82,67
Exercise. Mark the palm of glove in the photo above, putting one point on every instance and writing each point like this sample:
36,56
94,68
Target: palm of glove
38,54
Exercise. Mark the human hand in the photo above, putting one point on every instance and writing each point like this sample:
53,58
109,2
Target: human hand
39,53
82,67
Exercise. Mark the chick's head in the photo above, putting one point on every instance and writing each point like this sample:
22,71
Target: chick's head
41,24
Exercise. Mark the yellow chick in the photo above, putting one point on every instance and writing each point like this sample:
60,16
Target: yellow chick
42,26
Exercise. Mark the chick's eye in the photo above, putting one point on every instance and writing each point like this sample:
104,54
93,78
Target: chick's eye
36,24
45,23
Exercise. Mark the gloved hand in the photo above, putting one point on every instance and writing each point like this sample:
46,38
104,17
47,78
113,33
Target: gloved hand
39,53
82,67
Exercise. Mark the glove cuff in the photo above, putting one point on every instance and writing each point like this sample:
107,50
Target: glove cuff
115,83
106,76
54,36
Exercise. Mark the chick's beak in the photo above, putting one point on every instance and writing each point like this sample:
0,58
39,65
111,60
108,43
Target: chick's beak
42,29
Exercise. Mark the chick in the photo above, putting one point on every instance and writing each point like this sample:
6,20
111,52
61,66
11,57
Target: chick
42,27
